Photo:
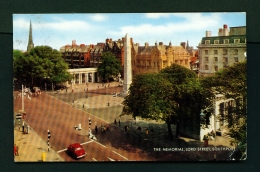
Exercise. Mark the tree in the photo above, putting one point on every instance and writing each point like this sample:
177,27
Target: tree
174,95
41,62
189,97
231,82
110,66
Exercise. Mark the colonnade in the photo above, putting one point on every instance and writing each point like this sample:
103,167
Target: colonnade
84,75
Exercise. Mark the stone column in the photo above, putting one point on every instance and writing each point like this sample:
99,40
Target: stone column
127,64
93,77
80,78
86,77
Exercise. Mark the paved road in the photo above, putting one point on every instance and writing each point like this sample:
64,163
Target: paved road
48,113
60,112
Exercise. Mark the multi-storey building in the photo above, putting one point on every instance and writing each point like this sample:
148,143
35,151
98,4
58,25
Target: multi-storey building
77,56
148,59
116,48
145,59
218,52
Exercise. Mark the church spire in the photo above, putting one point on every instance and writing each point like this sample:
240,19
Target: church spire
30,41
187,47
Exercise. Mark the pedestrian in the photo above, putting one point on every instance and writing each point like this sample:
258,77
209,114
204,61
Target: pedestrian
139,129
119,123
15,149
147,131
104,129
101,128
125,128
23,127
115,121
96,129
151,129
108,127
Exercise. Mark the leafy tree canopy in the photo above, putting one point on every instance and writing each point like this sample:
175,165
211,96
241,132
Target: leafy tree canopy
174,94
231,82
110,66
41,62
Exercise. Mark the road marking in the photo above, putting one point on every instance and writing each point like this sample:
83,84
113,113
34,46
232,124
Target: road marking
111,159
86,142
80,144
100,144
61,150
94,159
120,155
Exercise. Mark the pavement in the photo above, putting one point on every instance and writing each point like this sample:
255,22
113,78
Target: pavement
32,147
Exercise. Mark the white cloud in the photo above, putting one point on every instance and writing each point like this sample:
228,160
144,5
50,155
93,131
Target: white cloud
59,25
157,15
98,17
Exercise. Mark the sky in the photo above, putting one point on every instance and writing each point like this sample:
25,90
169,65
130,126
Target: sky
57,30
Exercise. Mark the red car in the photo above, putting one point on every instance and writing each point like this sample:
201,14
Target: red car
76,150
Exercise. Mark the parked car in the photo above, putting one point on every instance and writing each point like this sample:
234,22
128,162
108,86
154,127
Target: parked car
76,151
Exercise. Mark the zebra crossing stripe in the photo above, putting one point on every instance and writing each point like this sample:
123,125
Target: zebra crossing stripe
120,155
111,159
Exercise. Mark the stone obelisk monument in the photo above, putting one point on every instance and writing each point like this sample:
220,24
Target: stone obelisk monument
127,64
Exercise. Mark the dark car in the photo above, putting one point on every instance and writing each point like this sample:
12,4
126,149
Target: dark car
76,150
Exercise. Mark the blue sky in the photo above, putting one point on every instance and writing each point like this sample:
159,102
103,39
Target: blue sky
57,30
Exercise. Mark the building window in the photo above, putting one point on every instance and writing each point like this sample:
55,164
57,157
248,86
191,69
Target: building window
225,59
216,68
236,59
226,41
207,41
235,52
225,52
216,41
206,52
215,59
206,59
236,41
206,67
215,51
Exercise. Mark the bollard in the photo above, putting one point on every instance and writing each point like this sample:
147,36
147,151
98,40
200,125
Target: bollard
83,106
108,104
28,129
43,156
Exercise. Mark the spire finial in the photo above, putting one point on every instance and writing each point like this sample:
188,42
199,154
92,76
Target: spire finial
30,40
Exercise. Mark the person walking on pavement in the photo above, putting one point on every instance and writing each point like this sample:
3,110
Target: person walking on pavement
125,128
101,128
115,122
96,129
139,129
15,149
119,123
23,126
107,127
